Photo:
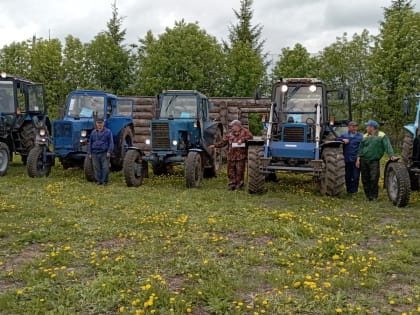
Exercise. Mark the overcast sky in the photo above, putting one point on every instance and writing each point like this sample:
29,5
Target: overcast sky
313,23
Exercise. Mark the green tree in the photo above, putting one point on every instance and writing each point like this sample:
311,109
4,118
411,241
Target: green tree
46,67
15,59
184,57
114,26
395,64
294,63
74,65
108,60
244,31
244,51
244,69
345,64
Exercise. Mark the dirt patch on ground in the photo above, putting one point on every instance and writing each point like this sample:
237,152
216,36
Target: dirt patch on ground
16,261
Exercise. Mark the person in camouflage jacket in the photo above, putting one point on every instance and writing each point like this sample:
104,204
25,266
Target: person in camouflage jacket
237,153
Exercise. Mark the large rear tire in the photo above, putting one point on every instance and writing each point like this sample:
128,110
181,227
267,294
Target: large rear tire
125,140
28,136
256,178
4,158
193,170
134,168
397,184
35,164
407,160
217,158
332,178
88,169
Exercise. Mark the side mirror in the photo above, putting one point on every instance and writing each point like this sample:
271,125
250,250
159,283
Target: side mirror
341,94
258,93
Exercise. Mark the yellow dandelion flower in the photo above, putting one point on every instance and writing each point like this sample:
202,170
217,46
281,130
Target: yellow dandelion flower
19,292
339,310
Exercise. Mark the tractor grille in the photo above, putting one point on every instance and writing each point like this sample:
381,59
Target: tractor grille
160,136
293,134
62,130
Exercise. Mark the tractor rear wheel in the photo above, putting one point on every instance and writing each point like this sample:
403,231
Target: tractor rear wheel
134,168
397,184
256,179
88,168
407,160
333,176
193,170
125,140
28,135
4,158
217,162
35,164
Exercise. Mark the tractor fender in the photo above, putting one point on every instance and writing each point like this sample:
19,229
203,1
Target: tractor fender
331,144
135,149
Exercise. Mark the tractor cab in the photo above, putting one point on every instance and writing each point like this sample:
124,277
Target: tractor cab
23,112
71,134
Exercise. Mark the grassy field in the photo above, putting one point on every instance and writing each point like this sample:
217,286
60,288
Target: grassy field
71,247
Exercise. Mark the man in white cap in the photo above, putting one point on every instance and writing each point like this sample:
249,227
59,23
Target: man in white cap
237,153
372,148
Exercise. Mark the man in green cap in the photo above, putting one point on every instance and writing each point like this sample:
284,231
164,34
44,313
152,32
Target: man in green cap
372,148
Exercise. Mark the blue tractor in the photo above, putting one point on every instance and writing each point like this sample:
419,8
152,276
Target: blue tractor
402,178
23,112
71,134
304,121
180,135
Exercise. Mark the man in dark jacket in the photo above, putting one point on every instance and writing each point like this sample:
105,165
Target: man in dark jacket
351,140
372,148
237,153
100,148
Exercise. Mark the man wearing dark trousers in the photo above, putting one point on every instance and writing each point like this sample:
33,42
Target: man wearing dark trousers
372,148
351,140
100,148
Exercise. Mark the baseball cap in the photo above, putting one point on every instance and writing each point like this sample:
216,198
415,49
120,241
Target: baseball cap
235,123
372,123
352,123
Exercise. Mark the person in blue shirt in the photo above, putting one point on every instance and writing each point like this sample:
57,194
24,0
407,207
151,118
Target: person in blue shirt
100,148
351,140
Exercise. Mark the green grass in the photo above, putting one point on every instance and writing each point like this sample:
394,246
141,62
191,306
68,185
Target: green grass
70,247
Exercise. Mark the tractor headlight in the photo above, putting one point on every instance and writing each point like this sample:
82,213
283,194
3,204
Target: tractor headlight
284,88
174,142
147,141
4,75
312,88
42,132
83,133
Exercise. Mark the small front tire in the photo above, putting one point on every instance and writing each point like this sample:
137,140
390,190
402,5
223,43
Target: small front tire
36,165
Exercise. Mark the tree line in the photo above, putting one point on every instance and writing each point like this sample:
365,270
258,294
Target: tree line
381,71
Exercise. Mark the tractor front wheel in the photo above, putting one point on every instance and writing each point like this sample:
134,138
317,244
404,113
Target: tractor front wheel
88,168
333,176
4,158
193,170
397,184
134,168
36,165
256,178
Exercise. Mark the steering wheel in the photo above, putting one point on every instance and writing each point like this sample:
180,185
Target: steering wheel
309,121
